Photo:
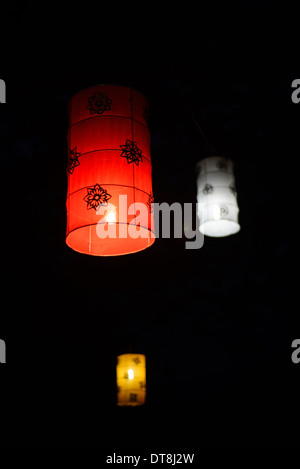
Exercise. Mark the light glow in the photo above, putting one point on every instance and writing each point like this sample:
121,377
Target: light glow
111,214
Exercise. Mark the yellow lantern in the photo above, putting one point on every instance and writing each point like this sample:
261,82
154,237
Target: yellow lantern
131,379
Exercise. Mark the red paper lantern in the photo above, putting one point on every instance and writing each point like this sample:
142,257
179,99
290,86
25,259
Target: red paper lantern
109,198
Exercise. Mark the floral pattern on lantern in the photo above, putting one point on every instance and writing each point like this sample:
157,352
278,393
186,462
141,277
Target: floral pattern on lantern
73,160
98,103
150,202
131,152
96,196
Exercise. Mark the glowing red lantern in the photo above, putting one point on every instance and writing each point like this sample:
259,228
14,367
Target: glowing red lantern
109,198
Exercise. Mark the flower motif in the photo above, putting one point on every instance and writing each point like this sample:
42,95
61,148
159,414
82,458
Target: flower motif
96,196
73,160
98,103
208,189
223,210
222,165
136,360
132,397
131,151
150,202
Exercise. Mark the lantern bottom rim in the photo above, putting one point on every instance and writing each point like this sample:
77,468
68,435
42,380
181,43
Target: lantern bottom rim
85,241
219,228
130,404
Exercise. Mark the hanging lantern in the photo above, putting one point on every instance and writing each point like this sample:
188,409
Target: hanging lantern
216,197
109,200
131,379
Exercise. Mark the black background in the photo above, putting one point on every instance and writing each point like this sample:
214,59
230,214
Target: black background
216,324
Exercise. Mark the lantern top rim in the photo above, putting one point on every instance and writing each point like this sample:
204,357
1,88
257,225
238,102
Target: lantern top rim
200,163
131,353
214,156
116,85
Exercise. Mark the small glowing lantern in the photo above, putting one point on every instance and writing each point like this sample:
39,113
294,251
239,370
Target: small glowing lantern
131,379
109,197
216,197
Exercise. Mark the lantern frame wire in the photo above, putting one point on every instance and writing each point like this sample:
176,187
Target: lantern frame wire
196,122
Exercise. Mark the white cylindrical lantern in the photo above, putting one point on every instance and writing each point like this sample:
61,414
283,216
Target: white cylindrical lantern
216,196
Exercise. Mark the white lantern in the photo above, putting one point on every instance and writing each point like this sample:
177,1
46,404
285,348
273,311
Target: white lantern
216,196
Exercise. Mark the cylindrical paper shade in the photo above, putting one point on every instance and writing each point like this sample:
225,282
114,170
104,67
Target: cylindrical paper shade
109,156
131,379
216,197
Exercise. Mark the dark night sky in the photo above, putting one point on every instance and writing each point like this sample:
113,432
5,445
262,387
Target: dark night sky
216,324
